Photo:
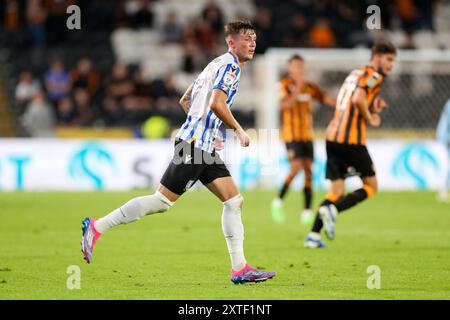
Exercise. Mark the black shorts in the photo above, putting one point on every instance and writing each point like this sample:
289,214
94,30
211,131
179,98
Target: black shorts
190,164
300,149
344,160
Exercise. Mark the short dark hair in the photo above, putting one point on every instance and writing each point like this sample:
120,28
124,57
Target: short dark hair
235,27
295,57
383,47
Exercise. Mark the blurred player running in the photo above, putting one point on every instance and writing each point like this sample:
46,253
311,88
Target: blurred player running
207,102
296,103
358,104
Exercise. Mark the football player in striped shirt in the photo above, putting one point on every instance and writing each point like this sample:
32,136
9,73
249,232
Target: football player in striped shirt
207,102
358,105
296,107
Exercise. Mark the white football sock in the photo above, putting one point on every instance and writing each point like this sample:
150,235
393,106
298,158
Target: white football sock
133,210
277,201
233,230
315,235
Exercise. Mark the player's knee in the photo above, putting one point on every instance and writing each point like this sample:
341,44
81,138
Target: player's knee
308,177
154,203
333,197
235,203
308,173
370,188
338,191
138,207
163,203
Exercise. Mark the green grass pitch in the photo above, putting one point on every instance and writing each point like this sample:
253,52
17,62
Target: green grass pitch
181,254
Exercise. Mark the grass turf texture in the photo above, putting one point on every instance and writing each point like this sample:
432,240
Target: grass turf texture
181,254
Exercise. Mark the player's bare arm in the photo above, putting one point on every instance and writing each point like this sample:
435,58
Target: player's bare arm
359,99
186,99
218,105
379,104
329,101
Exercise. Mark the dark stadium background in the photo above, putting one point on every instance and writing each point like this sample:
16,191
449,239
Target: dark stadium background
34,35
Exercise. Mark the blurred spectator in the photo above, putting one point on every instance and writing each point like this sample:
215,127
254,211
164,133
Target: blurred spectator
131,104
172,31
264,30
36,17
165,93
189,30
83,76
113,113
215,49
321,34
12,16
143,17
347,23
426,8
206,37
119,85
26,89
143,89
212,14
297,35
192,58
409,15
165,87
98,15
10,22
120,15
83,106
324,8
57,81
416,14
66,112
38,119
299,23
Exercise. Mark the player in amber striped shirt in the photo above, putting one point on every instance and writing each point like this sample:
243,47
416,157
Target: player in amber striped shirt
296,104
358,105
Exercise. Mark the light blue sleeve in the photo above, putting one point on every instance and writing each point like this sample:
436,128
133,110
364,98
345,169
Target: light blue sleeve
443,128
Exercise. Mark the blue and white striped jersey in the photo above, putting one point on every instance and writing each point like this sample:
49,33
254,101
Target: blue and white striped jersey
202,125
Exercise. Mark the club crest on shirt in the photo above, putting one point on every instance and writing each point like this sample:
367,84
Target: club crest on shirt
372,81
229,78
